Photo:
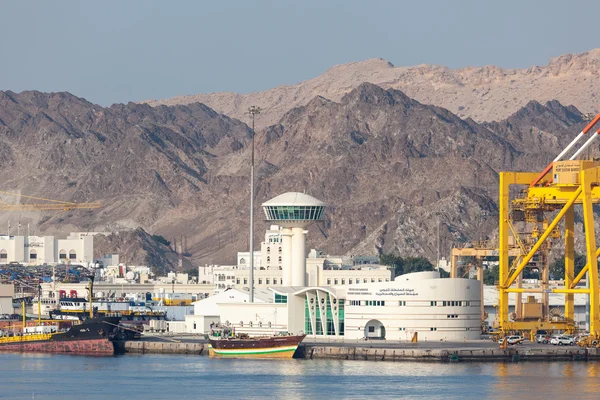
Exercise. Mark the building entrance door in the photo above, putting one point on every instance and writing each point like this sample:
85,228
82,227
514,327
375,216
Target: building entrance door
374,329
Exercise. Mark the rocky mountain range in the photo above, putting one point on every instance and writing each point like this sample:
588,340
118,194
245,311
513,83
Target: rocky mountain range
486,93
390,168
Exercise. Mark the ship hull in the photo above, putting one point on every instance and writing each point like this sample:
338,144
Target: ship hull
100,347
274,347
96,336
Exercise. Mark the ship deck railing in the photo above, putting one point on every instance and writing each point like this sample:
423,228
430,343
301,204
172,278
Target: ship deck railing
25,338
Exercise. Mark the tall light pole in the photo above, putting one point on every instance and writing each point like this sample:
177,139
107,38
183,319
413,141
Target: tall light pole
437,263
253,111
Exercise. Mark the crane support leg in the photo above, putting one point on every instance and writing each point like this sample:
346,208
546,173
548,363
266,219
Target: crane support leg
454,267
587,178
569,262
506,180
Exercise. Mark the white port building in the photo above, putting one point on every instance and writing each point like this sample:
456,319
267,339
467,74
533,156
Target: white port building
367,308
434,308
38,250
294,212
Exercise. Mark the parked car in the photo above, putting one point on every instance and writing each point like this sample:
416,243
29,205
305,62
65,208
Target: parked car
562,340
514,340
542,338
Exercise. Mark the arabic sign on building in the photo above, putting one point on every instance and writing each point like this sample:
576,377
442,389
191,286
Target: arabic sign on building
383,292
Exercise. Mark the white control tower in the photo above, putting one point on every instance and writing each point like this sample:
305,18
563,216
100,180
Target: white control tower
294,212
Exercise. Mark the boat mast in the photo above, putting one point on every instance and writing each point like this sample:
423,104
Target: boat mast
24,316
39,304
91,290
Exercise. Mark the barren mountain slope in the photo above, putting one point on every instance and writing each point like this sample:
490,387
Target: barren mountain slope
137,247
483,93
388,166
391,167
146,165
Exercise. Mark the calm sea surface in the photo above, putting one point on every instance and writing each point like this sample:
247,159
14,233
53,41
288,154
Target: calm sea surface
196,377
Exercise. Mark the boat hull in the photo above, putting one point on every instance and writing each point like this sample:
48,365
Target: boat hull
96,336
274,347
101,347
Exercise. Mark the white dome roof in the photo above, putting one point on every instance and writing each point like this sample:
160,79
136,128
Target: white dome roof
294,199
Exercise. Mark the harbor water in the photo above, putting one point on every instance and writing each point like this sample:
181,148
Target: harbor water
27,376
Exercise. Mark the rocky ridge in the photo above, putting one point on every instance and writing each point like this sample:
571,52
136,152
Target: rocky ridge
390,168
486,93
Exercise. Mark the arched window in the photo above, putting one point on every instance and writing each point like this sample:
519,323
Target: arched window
268,259
3,255
242,261
279,259
33,255
268,250
72,255
62,254
280,249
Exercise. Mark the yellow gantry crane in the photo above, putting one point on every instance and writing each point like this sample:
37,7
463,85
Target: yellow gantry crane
49,205
562,186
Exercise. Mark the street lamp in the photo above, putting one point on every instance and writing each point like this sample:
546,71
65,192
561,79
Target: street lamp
253,111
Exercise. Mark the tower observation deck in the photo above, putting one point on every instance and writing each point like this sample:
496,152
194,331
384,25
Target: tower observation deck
294,212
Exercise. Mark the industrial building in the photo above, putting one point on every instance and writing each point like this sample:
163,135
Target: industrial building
7,292
532,310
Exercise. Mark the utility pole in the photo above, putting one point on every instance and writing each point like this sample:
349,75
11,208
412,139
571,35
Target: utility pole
437,264
253,111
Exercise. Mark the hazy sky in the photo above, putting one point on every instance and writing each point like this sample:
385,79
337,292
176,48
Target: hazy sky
119,51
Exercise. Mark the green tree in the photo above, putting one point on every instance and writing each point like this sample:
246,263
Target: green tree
392,260
490,275
407,265
192,272
416,264
557,267
161,239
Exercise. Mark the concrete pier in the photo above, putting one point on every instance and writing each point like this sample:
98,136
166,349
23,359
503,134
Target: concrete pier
163,347
420,352
511,354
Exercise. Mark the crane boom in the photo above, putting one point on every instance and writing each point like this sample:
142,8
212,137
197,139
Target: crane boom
50,205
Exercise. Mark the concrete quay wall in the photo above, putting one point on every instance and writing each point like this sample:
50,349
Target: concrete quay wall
144,347
353,352
511,354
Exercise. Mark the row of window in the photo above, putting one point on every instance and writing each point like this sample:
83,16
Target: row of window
294,213
33,255
269,250
269,259
376,303
260,281
402,303
464,303
351,281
